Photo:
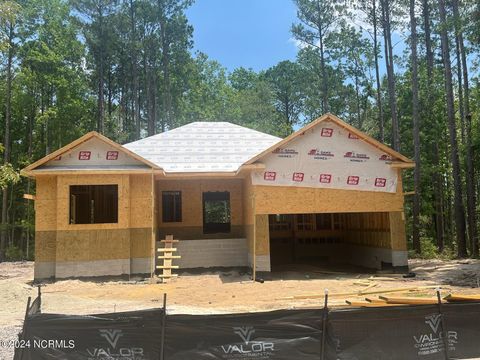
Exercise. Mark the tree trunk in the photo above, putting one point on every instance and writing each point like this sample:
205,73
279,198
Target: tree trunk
6,154
133,52
101,76
110,93
390,74
381,120
167,96
470,173
460,91
437,178
457,181
416,130
438,196
325,106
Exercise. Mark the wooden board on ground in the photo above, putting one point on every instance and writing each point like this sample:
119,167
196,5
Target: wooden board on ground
361,292
462,298
366,303
409,300
375,300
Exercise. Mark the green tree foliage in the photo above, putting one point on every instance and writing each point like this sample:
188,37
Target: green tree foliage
126,68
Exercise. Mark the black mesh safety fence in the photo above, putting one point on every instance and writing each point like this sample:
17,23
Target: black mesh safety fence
425,332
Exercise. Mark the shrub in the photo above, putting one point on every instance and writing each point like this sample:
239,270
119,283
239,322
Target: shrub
430,251
14,253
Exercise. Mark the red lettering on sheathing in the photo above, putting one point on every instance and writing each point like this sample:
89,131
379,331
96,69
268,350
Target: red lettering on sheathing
112,155
84,155
380,182
325,178
269,175
352,136
327,132
298,177
353,180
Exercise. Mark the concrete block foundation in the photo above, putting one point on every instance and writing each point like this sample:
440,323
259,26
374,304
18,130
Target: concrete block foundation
211,253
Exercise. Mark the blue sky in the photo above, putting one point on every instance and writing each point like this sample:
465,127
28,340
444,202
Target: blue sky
250,33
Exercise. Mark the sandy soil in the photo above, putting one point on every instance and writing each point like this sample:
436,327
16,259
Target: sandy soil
215,292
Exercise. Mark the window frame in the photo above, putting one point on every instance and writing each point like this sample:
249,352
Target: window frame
175,219
92,193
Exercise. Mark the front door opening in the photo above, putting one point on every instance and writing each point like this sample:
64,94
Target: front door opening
216,212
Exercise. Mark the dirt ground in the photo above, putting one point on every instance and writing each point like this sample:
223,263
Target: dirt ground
217,292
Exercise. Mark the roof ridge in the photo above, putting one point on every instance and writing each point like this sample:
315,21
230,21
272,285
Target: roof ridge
165,133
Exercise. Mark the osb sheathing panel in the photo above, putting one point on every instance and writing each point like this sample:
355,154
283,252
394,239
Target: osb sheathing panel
192,208
63,200
262,235
46,188
89,245
46,203
292,200
141,242
45,245
397,231
140,201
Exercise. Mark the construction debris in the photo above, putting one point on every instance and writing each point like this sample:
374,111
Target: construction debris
462,298
362,292
367,303
409,300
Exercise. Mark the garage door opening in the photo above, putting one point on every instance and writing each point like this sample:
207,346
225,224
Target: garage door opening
360,239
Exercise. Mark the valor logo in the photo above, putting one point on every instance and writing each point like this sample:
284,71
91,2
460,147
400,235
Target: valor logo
111,335
434,321
433,342
248,348
112,352
244,332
